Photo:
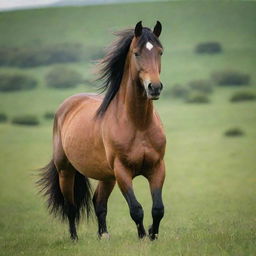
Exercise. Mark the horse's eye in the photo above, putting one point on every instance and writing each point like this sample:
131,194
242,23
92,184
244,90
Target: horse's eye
136,54
161,53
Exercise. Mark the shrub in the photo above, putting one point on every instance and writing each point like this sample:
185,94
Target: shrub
62,77
16,82
234,132
42,55
208,48
197,98
25,120
204,86
177,91
49,115
3,117
47,55
230,78
243,96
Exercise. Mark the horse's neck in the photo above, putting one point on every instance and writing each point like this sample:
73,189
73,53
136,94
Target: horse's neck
132,102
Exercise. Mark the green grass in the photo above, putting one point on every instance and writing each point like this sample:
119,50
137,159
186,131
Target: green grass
209,194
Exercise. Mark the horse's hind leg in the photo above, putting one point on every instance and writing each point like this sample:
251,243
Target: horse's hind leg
66,181
100,200
66,174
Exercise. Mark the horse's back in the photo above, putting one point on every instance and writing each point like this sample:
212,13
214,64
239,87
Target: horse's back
74,102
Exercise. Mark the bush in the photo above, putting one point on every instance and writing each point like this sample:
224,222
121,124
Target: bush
209,48
62,77
204,86
3,117
234,132
16,82
25,120
243,96
230,78
44,55
49,115
197,98
177,91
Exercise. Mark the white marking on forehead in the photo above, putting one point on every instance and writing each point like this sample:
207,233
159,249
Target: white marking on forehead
149,46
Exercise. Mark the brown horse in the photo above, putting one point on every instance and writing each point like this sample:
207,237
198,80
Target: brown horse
112,138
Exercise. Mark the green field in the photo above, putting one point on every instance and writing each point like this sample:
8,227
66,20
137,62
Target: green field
209,194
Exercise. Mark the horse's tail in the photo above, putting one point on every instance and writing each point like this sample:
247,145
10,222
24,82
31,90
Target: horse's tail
57,205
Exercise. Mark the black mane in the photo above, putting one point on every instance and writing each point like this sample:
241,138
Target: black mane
112,65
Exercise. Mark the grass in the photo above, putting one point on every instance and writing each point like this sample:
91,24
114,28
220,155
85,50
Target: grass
209,193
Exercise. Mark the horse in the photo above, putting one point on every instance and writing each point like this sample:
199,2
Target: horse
111,138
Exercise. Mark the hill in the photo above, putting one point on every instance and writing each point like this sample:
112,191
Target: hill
209,193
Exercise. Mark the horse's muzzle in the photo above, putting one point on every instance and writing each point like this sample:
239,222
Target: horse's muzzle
154,90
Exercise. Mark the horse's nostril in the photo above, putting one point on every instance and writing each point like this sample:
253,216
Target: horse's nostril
155,87
150,86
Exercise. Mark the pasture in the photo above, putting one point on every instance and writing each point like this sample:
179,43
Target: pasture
209,193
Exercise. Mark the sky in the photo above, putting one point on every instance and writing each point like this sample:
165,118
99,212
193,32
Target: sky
24,4
11,4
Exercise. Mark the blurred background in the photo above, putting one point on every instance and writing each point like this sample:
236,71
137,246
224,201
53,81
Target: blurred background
208,108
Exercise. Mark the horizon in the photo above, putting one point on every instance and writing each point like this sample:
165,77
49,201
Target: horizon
6,5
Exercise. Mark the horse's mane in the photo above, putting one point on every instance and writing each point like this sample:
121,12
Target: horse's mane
112,65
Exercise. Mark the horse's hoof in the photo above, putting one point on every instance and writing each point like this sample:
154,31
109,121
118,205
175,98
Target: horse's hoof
143,238
74,237
142,235
104,236
141,231
151,235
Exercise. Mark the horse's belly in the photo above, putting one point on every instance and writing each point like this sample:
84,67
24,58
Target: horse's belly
94,170
87,158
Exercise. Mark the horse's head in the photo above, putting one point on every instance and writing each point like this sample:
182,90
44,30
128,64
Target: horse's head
146,54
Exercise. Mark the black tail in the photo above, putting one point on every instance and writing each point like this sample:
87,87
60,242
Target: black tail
49,183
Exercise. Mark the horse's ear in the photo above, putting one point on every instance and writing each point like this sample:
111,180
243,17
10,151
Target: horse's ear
157,29
138,29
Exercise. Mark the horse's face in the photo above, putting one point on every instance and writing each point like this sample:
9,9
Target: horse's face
146,59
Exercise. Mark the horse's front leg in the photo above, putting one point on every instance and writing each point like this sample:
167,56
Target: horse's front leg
156,180
124,181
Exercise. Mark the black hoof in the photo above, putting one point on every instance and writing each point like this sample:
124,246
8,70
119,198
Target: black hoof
141,232
141,235
151,235
74,237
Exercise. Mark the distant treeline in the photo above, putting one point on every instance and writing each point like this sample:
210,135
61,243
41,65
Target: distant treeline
27,57
58,77
47,55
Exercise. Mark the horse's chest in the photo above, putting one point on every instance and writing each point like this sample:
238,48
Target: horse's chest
139,154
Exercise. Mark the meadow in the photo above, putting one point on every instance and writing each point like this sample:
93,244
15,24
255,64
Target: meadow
209,193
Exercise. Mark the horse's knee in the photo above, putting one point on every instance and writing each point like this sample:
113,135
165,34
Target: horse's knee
137,213
158,212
